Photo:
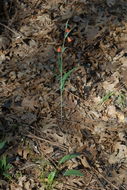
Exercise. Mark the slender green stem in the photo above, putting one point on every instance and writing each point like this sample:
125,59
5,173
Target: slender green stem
61,70
61,90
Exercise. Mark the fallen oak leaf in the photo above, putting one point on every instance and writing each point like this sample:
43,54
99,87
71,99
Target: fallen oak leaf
29,103
84,162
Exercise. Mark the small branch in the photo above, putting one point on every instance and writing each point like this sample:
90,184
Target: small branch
16,33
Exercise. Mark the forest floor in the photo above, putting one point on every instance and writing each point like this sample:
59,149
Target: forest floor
40,123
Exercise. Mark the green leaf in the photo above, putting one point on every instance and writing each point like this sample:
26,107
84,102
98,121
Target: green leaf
60,63
67,24
2,144
64,78
107,96
66,35
121,100
51,176
73,173
63,49
8,166
68,157
7,175
4,162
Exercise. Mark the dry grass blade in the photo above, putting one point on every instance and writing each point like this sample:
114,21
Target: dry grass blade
98,174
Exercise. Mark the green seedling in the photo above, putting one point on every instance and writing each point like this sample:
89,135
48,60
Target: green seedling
18,174
51,177
53,174
2,144
4,167
121,100
48,182
107,97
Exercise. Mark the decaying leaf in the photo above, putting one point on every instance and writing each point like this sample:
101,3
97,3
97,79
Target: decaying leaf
119,155
29,118
111,111
4,42
29,102
84,162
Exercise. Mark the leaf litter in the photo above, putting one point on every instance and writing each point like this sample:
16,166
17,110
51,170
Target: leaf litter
94,98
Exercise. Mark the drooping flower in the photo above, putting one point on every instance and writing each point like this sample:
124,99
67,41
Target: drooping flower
67,30
69,39
59,50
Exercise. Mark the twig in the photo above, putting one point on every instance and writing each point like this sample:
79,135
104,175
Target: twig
109,182
28,166
16,33
42,139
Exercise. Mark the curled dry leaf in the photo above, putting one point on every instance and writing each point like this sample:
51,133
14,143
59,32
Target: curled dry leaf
84,162
119,155
4,42
111,111
120,117
2,57
23,152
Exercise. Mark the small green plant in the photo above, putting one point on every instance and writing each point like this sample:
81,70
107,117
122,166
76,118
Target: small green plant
18,174
107,97
2,144
70,172
51,178
121,100
63,75
4,165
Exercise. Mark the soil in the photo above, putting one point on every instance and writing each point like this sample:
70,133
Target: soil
94,103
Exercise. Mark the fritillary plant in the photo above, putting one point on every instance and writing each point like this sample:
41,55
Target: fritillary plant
63,75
